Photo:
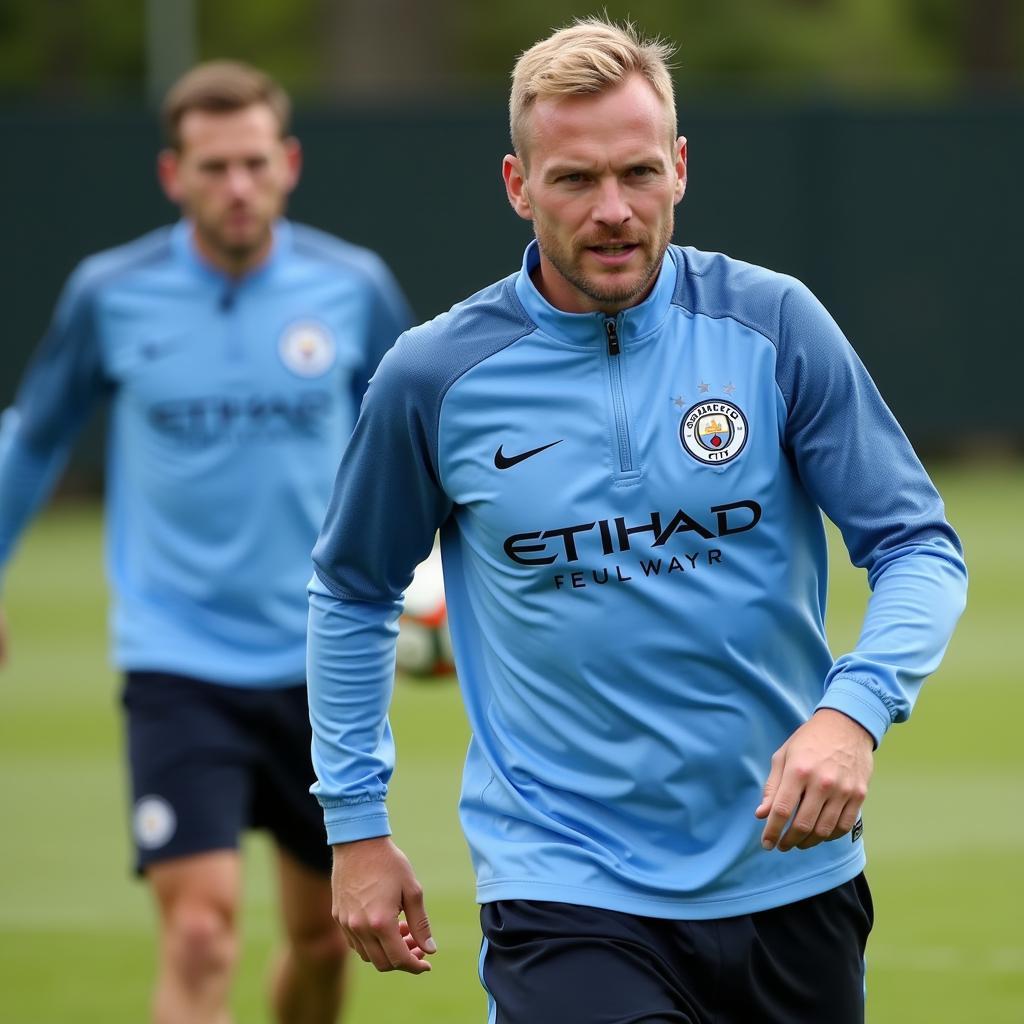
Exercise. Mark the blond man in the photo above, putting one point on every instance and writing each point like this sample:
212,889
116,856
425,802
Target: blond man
627,446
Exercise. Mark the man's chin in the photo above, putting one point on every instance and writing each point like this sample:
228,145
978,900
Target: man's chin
240,246
243,241
616,288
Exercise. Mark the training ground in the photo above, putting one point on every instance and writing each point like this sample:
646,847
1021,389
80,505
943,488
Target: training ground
944,823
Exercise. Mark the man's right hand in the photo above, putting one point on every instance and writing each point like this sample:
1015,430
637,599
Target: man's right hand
373,885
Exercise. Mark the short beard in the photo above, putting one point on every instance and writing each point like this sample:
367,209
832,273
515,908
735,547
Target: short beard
238,254
610,295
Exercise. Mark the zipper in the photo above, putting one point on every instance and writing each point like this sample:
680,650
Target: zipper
613,337
228,306
625,447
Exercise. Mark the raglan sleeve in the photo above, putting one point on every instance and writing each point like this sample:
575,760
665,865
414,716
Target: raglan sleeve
858,465
386,507
389,315
58,390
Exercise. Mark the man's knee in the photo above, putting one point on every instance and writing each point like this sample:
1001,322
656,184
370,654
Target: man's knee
323,947
200,941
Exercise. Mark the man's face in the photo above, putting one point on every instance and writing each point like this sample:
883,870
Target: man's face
599,179
231,176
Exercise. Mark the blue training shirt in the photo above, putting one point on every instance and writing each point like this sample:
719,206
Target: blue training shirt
635,569
231,403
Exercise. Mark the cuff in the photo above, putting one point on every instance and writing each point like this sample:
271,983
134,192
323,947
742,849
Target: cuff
352,822
857,701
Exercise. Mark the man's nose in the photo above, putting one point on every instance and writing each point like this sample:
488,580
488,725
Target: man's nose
611,206
239,181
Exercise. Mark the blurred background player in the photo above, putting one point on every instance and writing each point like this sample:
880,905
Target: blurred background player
663,788
234,348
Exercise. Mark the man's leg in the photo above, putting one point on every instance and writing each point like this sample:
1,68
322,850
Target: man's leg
190,784
197,898
802,963
556,963
308,980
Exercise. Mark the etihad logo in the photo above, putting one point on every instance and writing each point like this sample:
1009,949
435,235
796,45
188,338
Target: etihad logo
543,547
212,419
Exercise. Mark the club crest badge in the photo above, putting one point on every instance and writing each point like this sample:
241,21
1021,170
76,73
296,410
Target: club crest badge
713,432
154,822
307,349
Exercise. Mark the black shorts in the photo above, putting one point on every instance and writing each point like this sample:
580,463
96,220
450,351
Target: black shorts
208,761
556,963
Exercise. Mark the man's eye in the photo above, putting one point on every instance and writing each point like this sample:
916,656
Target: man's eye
641,172
573,178
257,164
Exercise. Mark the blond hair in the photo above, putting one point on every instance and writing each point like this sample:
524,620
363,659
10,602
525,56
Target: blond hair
222,87
588,56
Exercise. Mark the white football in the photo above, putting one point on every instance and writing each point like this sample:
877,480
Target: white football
424,643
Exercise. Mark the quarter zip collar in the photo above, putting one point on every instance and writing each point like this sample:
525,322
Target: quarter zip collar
588,328
184,246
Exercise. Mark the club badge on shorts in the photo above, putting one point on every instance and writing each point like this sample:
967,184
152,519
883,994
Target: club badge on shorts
713,432
154,822
307,348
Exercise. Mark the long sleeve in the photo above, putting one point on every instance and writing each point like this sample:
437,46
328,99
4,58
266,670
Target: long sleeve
386,507
56,394
859,467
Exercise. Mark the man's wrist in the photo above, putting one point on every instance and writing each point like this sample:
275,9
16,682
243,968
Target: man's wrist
835,712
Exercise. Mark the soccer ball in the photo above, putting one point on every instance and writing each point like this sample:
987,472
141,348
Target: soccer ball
424,643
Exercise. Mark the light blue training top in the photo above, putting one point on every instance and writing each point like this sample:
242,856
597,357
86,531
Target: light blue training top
231,403
635,567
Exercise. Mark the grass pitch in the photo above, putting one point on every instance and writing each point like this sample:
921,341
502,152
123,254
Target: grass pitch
944,827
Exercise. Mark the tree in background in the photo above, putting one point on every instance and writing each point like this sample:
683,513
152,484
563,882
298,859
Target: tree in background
351,50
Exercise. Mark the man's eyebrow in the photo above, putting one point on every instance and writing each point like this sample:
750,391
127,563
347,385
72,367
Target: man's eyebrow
568,167
652,158
582,166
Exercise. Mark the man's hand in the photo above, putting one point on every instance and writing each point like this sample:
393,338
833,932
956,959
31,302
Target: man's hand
821,772
373,883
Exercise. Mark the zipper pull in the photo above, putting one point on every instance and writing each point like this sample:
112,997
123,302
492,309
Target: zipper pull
613,337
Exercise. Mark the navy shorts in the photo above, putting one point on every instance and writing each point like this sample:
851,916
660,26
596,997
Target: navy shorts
556,963
209,761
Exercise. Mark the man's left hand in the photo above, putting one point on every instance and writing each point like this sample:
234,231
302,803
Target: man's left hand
818,782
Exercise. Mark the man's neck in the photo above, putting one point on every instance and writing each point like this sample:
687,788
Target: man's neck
232,263
564,295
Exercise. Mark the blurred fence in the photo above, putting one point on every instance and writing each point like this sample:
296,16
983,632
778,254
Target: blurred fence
907,223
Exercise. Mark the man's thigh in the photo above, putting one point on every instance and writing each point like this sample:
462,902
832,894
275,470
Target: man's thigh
189,767
198,896
281,801
801,963
556,963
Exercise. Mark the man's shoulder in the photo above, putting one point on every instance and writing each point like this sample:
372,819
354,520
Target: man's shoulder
335,253
111,265
436,353
719,286
146,250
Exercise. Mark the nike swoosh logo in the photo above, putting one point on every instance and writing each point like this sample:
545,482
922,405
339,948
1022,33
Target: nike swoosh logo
152,350
503,461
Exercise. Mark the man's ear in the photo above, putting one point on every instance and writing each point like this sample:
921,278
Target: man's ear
167,174
680,167
514,173
293,154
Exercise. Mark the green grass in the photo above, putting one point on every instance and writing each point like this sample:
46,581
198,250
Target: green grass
944,826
